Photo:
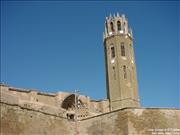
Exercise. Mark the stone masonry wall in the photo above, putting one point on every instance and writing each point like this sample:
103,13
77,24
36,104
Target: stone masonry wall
21,117
150,121
36,99
18,120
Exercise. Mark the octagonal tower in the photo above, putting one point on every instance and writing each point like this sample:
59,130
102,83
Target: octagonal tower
121,79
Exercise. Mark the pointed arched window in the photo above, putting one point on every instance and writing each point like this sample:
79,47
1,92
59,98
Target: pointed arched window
112,27
119,25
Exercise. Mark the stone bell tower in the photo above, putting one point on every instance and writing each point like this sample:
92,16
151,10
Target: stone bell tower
121,81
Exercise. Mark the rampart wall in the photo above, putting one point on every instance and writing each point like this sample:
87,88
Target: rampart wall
133,121
25,95
17,120
52,102
25,112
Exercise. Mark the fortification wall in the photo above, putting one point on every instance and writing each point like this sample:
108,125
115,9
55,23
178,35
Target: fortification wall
19,120
99,107
52,102
22,114
149,121
24,95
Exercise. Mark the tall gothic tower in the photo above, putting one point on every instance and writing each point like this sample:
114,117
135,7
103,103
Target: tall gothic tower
121,78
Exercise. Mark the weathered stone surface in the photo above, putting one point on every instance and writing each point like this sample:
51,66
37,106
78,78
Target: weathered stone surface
121,79
16,120
19,121
59,103
29,112
147,121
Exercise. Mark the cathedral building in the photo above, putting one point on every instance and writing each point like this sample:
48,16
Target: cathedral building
29,111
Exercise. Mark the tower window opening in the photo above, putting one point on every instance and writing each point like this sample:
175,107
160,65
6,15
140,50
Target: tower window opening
112,27
112,52
122,49
124,72
119,25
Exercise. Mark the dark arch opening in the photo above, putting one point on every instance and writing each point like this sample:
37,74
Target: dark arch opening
119,25
69,102
112,27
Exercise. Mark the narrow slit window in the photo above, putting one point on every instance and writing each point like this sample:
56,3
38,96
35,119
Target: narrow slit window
119,25
112,52
124,72
122,49
114,73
